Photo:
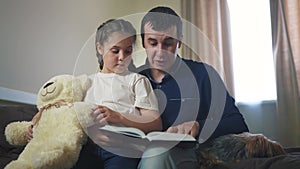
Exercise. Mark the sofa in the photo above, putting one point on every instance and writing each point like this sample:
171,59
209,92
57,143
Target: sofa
9,113
88,159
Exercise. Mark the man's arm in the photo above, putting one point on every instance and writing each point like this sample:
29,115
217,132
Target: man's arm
231,122
223,116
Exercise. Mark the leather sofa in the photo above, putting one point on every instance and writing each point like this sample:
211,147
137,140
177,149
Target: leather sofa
9,113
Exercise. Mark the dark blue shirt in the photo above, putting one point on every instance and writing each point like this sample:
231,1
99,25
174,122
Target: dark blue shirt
194,91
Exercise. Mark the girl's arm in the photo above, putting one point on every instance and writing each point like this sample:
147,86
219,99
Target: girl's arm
147,121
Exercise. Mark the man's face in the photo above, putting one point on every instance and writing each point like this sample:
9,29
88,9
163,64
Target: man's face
161,46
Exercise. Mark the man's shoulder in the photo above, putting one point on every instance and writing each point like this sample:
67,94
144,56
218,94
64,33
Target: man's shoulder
143,69
196,66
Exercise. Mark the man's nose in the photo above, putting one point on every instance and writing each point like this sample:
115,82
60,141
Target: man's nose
159,50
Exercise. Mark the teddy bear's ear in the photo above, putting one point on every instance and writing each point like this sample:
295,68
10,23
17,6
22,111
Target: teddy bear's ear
85,82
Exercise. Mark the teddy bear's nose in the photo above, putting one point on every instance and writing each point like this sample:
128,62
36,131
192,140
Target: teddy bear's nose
48,84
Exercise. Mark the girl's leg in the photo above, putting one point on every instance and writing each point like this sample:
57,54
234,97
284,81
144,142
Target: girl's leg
113,161
88,157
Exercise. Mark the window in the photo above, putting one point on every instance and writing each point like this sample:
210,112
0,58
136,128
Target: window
252,50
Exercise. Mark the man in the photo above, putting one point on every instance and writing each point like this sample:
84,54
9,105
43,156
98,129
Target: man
193,99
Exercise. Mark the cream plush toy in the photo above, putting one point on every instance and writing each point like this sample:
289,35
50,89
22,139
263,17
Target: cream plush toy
57,133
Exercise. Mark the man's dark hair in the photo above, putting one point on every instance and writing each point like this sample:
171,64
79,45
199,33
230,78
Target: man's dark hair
161,18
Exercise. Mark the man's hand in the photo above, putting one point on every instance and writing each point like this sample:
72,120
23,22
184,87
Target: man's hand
191,127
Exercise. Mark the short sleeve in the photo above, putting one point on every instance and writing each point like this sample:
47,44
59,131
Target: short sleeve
144,94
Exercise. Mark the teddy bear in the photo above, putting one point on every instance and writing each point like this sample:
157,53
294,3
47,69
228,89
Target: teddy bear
58,135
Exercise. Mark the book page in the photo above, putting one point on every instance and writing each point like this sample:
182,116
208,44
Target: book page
164,136
128,131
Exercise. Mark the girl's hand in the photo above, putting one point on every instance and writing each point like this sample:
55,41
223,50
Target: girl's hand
103,115
29,135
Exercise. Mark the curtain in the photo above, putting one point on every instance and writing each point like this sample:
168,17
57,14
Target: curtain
206,35
285,18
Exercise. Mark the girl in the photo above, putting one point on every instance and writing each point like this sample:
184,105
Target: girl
124,98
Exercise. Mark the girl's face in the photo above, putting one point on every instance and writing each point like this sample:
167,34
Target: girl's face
116,52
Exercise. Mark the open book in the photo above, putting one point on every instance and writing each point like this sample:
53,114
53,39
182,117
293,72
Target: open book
152,136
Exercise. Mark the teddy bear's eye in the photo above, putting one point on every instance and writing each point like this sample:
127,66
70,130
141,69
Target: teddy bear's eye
48,84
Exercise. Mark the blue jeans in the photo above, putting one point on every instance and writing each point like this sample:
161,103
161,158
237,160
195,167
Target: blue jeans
94,157
164,158
113,161
88,158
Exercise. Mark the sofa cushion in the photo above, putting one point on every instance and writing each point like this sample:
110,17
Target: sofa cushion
9,114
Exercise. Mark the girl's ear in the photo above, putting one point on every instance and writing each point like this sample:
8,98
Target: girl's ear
99,48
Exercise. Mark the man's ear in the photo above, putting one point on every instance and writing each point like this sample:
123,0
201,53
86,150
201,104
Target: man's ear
143,44
180,42
99,48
